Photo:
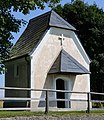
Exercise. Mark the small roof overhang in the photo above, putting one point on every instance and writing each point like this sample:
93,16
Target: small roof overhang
65,63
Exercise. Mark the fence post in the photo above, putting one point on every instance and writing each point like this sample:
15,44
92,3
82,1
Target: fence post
47,103
88,102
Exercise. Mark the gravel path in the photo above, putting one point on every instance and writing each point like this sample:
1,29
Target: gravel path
84,117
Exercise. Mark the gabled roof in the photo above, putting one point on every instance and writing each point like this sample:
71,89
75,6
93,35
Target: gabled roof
65,63
35,31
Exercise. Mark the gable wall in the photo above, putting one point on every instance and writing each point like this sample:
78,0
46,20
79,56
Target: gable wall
45,55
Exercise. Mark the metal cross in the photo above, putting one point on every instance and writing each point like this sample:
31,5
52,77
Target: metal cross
61,38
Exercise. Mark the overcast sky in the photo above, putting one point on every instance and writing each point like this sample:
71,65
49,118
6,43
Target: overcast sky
100,3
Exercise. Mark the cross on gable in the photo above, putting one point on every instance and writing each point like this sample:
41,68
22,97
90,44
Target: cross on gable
61,38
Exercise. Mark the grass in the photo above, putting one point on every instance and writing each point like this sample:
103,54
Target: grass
75,113
5,114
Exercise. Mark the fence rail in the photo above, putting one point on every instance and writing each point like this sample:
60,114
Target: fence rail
47,99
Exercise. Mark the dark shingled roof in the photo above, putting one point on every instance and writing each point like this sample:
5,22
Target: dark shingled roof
65,63
35,31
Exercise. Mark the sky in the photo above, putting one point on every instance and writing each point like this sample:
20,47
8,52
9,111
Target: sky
100,4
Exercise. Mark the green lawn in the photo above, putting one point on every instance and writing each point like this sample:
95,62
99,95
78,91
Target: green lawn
4,114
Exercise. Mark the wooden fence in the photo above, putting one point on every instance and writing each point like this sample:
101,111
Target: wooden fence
47,99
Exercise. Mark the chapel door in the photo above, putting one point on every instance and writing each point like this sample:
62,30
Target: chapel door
60,85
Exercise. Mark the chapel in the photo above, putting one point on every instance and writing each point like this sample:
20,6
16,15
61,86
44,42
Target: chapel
48,55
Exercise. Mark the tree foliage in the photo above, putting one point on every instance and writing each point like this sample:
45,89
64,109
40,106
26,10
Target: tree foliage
89,21
9,24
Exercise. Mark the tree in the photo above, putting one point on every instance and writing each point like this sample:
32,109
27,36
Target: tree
89,21
9,24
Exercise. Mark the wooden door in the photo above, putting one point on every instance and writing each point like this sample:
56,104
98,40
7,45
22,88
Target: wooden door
60,85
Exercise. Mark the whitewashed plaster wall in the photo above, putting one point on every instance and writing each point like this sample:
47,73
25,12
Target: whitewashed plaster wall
46,53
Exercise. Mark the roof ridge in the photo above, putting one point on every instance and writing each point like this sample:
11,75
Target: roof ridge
39,16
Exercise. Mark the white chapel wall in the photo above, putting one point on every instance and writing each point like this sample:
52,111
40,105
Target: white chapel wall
45,55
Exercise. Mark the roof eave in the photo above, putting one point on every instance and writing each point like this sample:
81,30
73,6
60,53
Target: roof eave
14,58
64,72
75,72
62,27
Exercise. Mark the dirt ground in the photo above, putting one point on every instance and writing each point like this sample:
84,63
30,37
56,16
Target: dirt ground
79,117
